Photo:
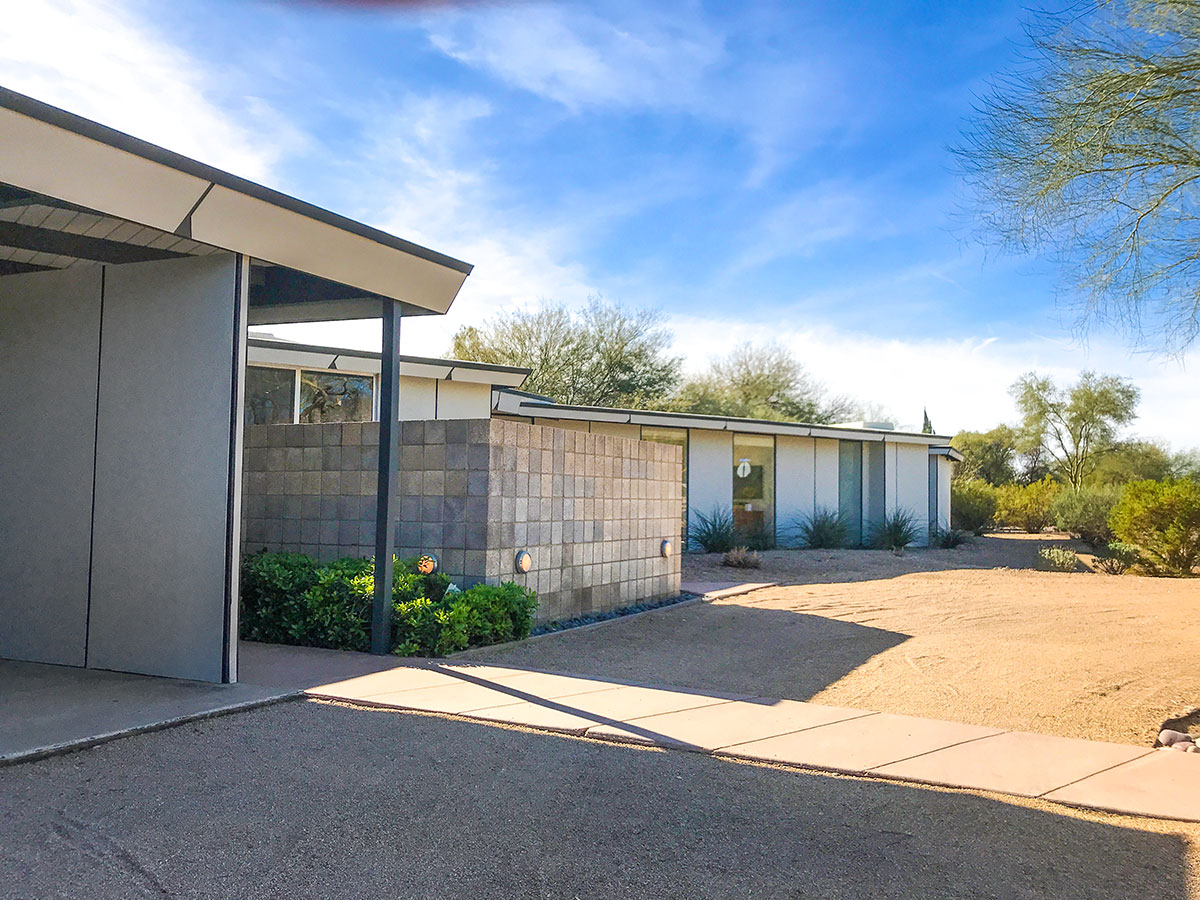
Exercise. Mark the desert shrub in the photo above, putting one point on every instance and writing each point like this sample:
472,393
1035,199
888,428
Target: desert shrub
1085,513
742,558
895,531
1161,519
972,505
291,599
1117,558
948,538
822,529
714,532
273,586
1057,559
1026,506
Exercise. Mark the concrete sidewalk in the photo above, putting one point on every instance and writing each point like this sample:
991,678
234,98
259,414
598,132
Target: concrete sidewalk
1112,777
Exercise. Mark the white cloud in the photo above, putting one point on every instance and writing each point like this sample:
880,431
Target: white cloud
101,59
963,382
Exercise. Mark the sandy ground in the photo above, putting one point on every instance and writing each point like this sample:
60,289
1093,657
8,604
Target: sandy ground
971,634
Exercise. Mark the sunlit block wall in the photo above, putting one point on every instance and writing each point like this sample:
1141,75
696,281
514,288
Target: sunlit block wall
591,510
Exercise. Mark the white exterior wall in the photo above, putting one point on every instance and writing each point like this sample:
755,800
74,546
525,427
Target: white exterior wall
710,471
418,398
795,483
825,487
462,400
941,470
907,479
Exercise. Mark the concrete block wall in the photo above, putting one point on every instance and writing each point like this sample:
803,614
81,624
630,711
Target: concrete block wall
591,510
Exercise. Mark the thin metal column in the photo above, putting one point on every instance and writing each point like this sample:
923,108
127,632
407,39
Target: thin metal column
385,524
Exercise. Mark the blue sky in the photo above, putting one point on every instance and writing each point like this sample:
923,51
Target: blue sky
759,171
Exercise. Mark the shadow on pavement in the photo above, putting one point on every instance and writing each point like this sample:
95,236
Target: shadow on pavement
319,800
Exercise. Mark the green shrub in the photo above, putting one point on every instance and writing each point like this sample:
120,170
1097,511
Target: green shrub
948,538
1026,506
896,531
972,505
822,529
273,586
1117,558
1085,513
1162,519
714,532
1057,559
291,599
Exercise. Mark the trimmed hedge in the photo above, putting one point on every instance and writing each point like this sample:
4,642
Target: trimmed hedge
290,598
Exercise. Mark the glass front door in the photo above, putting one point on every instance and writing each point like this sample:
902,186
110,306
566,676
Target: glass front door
754,489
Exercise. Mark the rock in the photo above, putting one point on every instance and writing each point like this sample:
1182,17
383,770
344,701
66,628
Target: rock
1169,738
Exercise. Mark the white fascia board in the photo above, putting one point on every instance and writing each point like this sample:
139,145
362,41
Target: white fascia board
579,415
56,162
655,421
227,218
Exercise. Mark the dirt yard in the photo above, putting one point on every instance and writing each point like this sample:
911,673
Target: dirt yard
971,634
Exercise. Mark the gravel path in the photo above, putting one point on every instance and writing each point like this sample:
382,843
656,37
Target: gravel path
316,800
943,634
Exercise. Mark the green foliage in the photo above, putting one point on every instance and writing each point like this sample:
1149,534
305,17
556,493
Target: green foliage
948,538
1117,558
896,531
742,558
602,356
288,598
972,505
1026,506
273,589
713,532
1162,519
822,529
1057,559
760,383
1077,425
1132,461
988,456
1085,513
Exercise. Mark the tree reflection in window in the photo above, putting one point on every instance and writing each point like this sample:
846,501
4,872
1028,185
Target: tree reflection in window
269,395
334,397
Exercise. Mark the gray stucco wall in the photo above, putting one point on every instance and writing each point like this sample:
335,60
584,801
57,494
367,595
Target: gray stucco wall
162,468
49,344
125,373
592,510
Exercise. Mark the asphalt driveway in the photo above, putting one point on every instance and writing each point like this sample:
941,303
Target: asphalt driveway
307,799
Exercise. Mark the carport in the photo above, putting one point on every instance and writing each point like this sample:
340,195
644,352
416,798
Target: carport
128,275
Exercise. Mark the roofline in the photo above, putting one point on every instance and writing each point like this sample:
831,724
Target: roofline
127,143
276,344
948,452
725,421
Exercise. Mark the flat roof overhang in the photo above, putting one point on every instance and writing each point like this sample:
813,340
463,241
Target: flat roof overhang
291,353
519,403
314,264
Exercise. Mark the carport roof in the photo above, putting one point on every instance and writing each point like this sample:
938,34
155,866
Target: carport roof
140,201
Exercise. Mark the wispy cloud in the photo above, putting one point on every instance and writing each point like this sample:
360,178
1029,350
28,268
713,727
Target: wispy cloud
106,61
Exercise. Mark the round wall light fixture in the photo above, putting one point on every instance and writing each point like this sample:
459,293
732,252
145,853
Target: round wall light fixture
665,549
523,562
427,564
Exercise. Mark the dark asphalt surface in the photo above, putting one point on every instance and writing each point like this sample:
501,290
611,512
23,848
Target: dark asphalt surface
312,800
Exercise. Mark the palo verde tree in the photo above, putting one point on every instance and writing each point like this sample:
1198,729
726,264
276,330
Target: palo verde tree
603,355
1089,151
1076,426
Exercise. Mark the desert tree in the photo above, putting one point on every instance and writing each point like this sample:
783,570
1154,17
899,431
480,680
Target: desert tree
760,382
1074,427
1089,151
602,355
